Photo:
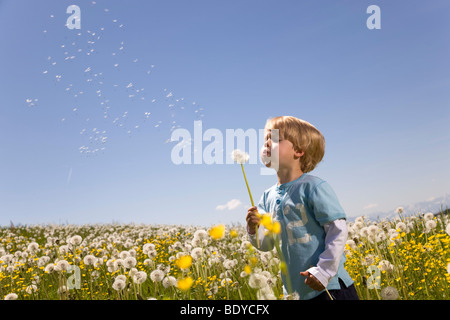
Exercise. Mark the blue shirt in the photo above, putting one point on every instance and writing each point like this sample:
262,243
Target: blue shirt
302,207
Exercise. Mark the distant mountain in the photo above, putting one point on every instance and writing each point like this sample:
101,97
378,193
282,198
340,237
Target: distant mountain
435,205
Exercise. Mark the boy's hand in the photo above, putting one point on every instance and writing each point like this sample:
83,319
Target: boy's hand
312,281
252,219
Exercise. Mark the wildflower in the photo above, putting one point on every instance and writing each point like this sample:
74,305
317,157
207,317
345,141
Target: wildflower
217,232
121,277
430,224
62,290
75,240
140,276
169,282
247,269
129,262
428,216
401,226
372,230
148,247
364,232
197,253
157,275
124,254
228,264
49,268
201,234
11,296
33,246
448,268
185,283
257,281
233,233
399,210
118,285
385,265
89,260
31,288
266,293
63,265
447,229
184,262
239,156
389,293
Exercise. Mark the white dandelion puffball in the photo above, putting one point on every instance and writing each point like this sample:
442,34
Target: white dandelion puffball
428,216
11,296
157,275
62,290
33,246
399,210
257,281
169,281
430,224
76,240
31,288
239,156
118,285
129,262
197,253
447,229
201,234
389,293
140,277
121,277
63,265
89,260
448,268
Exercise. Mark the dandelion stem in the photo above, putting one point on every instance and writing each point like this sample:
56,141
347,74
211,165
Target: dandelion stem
248,188
251,200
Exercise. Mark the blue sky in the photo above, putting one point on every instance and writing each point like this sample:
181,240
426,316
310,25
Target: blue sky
86,115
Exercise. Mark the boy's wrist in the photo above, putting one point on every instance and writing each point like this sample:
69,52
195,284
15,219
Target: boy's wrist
320,275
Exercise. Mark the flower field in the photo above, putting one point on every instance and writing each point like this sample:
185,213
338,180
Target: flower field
403,258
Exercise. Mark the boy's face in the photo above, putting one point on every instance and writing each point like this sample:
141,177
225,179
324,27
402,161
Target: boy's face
281,152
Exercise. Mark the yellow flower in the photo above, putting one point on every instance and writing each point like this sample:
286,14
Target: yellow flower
276,227
217,232
233,233
184,262
247,269
185,284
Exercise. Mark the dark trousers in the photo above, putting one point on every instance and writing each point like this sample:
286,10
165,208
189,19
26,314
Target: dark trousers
345,293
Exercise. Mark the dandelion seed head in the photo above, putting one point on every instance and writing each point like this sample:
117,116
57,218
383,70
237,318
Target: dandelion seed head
11,296
239,156
118,285
389,293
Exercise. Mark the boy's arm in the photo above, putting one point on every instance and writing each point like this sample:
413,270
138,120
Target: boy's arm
335,238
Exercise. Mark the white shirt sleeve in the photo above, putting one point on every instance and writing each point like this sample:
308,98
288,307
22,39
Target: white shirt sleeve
335,239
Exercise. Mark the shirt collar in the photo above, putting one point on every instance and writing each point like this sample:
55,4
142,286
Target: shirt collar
283,186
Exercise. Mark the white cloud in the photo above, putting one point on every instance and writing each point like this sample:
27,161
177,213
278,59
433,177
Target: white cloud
230,205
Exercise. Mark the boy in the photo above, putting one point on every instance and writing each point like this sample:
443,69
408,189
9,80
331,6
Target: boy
313,226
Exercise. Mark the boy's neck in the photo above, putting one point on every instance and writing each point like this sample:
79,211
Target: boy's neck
286,175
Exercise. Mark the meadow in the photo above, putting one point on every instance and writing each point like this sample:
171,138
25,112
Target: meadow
405,258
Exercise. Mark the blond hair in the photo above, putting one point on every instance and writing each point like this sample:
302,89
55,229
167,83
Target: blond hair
304,136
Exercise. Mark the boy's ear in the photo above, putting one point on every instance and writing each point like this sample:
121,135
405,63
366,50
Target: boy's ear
298,152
